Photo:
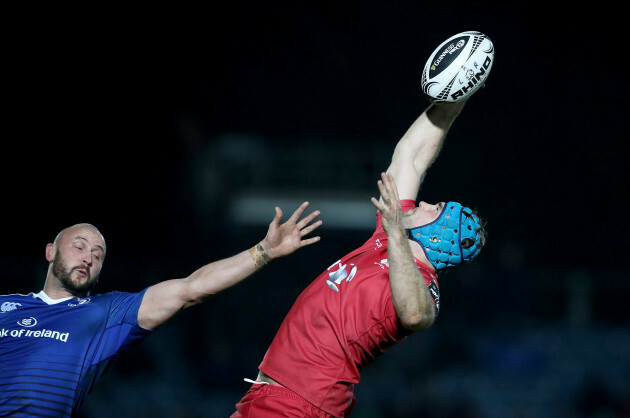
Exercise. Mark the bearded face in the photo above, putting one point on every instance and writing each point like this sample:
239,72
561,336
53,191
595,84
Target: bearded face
64,274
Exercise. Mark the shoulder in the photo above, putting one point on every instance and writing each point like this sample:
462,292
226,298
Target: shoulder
16,295
116,297
6,300
117,293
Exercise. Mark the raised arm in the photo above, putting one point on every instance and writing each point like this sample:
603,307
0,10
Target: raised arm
410,294
165,299
420,146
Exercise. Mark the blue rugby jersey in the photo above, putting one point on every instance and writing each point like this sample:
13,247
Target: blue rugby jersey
52,352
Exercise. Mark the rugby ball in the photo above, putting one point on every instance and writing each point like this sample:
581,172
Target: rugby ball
457,68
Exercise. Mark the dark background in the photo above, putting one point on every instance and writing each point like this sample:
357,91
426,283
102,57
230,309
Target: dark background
150,124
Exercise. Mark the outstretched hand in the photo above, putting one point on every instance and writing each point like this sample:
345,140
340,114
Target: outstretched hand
389,205
283,239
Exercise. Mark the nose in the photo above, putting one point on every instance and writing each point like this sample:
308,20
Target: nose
87,260
427,206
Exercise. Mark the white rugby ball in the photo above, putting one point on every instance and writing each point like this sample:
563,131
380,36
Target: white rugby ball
458,67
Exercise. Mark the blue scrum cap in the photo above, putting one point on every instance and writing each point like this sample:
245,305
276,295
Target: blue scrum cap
441,240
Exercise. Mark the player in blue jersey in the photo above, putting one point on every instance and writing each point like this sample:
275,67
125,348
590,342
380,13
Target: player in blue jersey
56,344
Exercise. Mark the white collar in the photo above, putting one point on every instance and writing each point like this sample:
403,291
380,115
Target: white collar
43,296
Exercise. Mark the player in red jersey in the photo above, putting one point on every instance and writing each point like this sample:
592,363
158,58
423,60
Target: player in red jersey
373,297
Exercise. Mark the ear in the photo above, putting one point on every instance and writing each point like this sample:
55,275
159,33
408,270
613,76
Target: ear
50,252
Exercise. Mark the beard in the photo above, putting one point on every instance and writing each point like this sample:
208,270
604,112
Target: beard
64,274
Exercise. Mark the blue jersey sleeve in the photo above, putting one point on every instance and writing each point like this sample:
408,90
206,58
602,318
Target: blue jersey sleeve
122,330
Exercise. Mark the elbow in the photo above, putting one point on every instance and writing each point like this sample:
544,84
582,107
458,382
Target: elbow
195,300
418,321
193,292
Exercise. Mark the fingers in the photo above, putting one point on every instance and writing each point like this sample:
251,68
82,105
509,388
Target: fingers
298,212
307,220
387,187
309,241
302,227
277,218
310,228
387,180
377,204
389,194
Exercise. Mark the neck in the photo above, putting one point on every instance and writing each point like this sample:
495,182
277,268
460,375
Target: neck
55,290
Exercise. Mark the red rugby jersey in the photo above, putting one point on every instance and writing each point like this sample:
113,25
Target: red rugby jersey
341,322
